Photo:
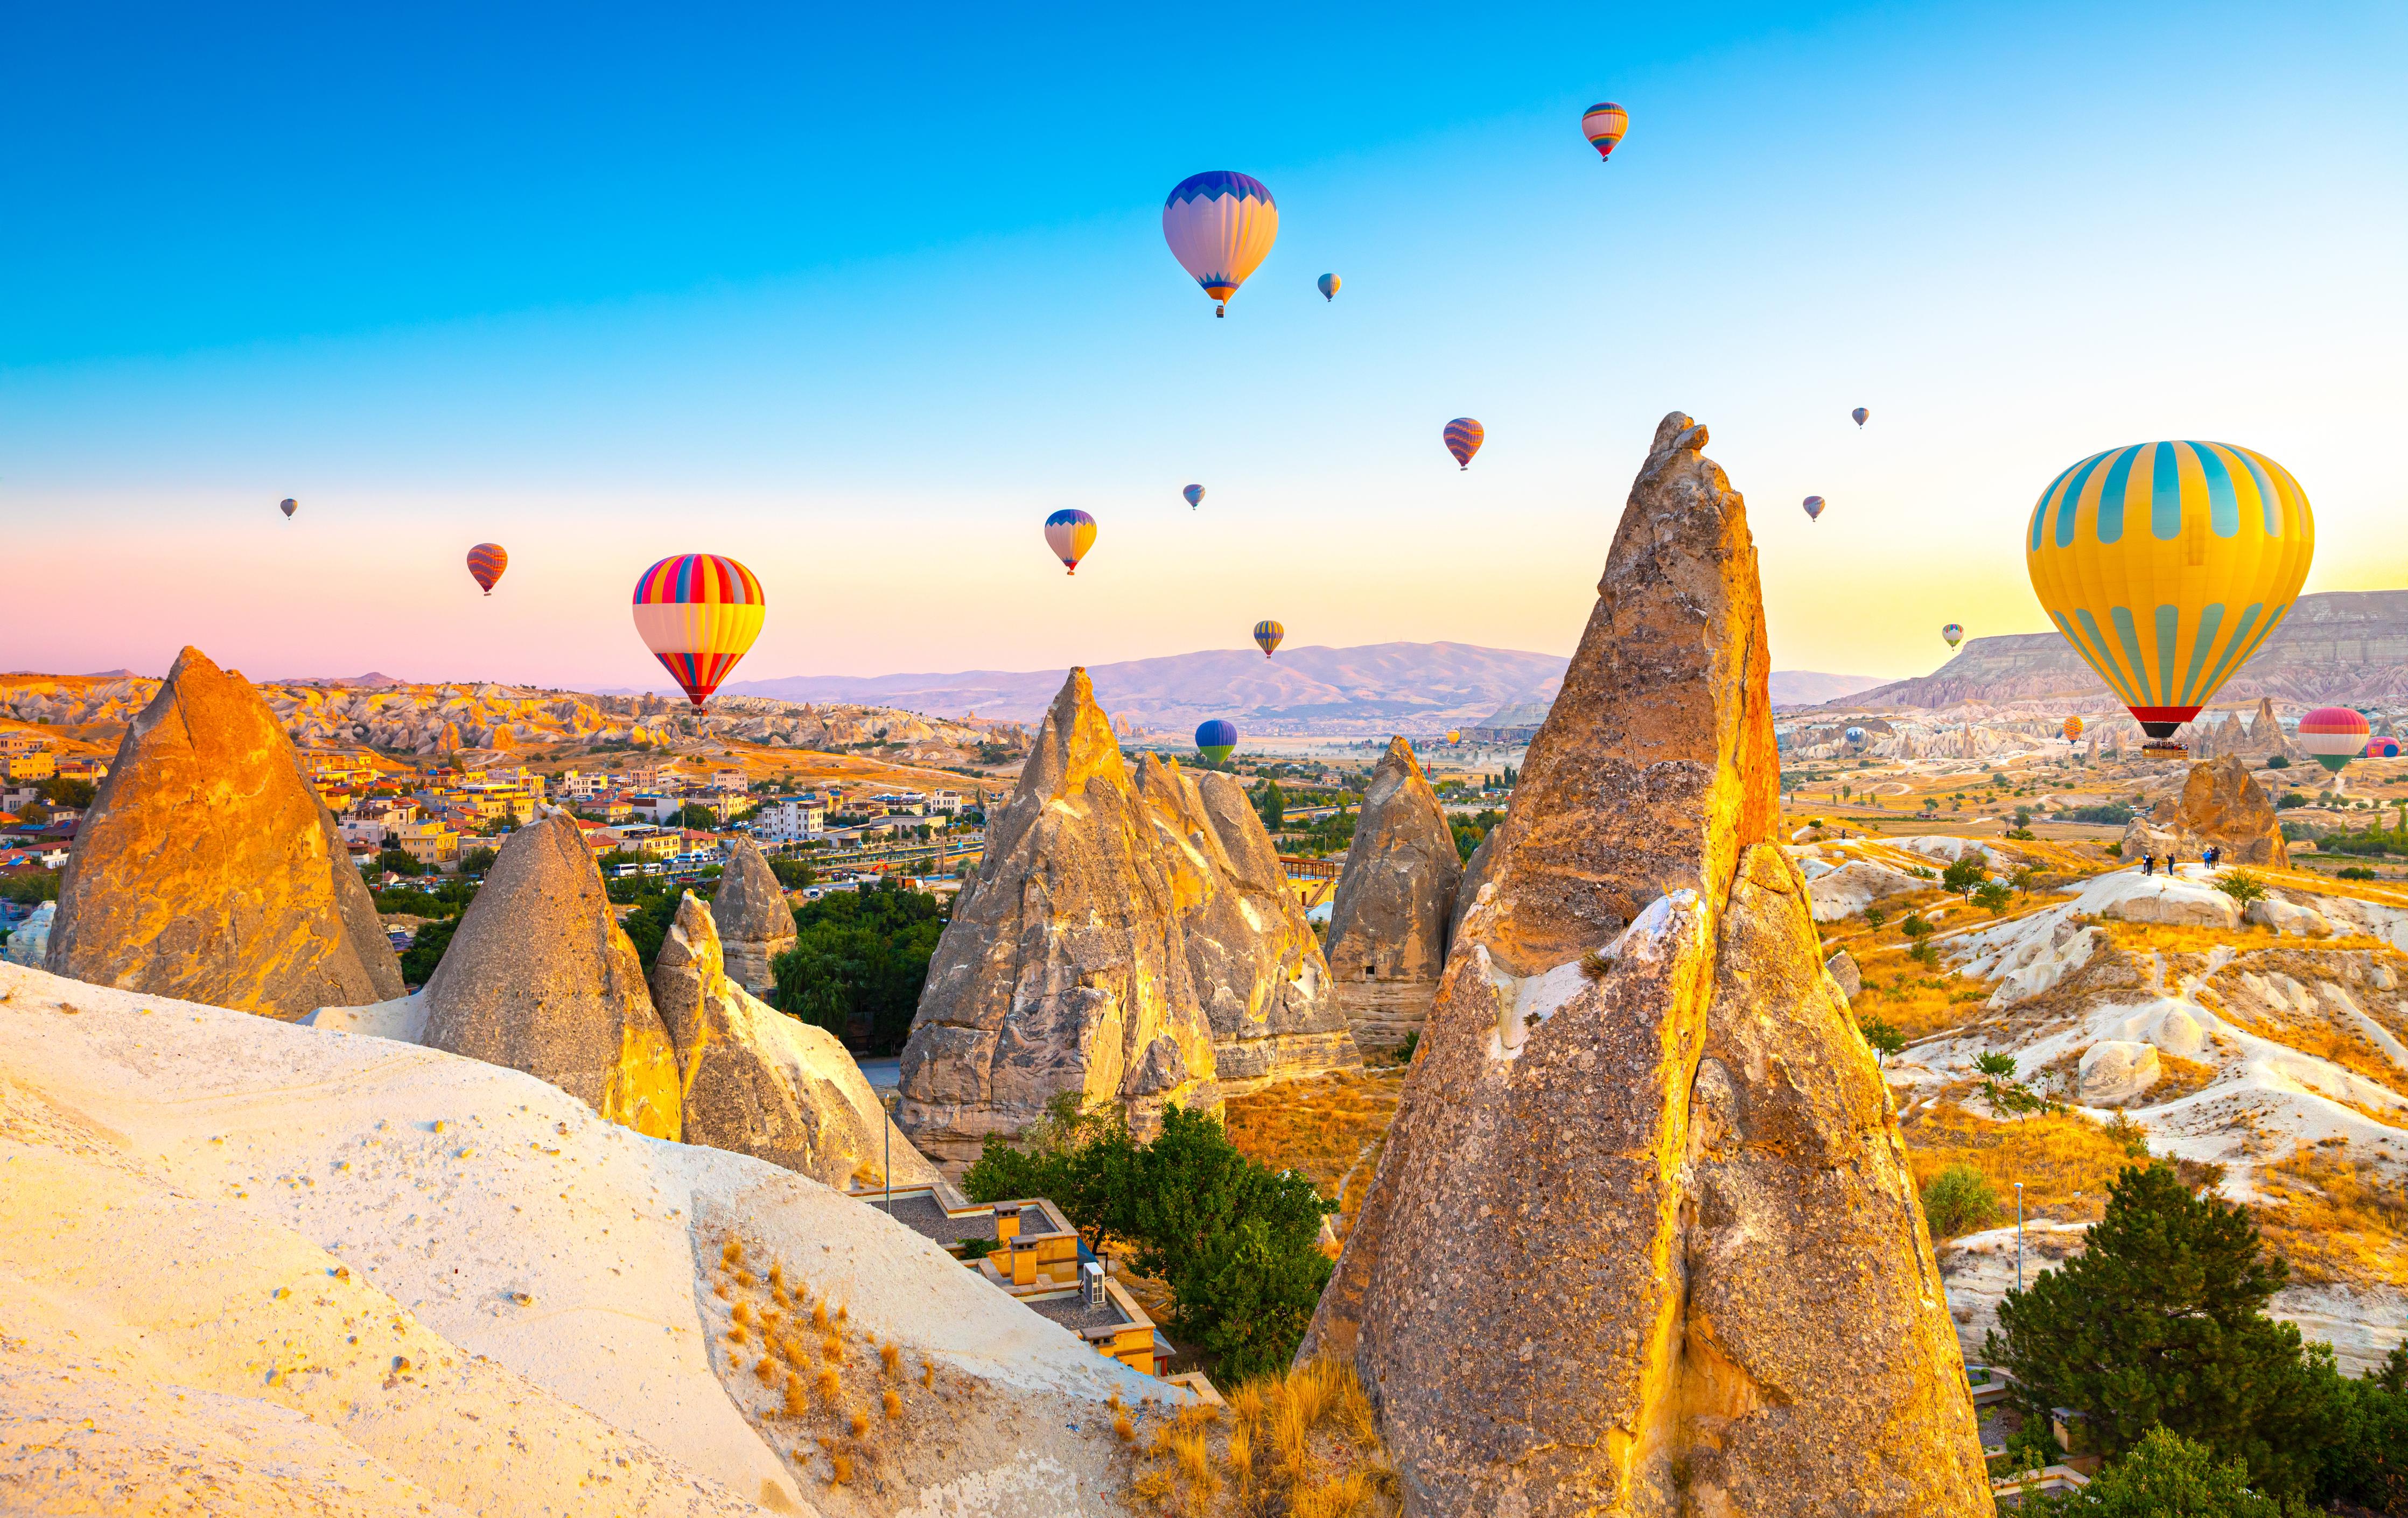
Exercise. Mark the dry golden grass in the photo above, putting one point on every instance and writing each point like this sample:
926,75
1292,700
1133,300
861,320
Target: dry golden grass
1914,999
820,1315
1305,1442
831,1384
890,1357
860,1423
1328,1130
2334,1219
2180,1078
2066,1162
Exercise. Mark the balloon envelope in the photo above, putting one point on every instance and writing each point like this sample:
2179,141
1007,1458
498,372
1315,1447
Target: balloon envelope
1194,493
1603,124
1070,533
1463,439
1853,735
1268,633
2334,736
1216,740
698,612
486,562
1813,508
1860,413
2382,748
2073,728
1220,226
288,506
1953,633
2166,565
1327,284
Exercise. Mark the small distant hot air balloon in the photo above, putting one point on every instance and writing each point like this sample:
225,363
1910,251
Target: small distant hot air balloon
2166,565
698,612
1856,737
1070,533
2382,748
1953,633
486,562
1194,494
1454,734
1220,226
1327,284
1603,124
1268,633
1860,413
1216,740
288,506
1463,439
2334,736
1813,508
2073,728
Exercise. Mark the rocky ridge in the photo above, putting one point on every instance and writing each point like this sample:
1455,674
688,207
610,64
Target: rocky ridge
1395,901
1637,1054
207,868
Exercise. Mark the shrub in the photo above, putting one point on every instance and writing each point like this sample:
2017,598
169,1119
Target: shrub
2112,850
1915,926
1959,1200
2165,1476
1965,874
1875,917
1994,895
1885,1040
2280,761
2241,886
2353,872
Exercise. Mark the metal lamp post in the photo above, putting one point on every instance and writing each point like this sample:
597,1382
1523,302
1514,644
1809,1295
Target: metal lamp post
890,1101
2019,1236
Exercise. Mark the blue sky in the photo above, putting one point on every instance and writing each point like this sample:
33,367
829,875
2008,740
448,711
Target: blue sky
860,299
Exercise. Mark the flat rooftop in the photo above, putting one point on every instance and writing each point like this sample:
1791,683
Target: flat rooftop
1070,1309
923,1216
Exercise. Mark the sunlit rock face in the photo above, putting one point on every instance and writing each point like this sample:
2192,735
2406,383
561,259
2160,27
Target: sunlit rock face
754,921
1389,916
208,869
1063,969
2222,806
1644,1239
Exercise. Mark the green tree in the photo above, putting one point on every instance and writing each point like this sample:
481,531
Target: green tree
1886,1039
1965,874
2243,887
68,790
2161,1321
1960,1199
399,863
2366,1456
476,861
860,959
2165,1476
1250,1298
692,815
1994,897
1271,804
425,950
793,873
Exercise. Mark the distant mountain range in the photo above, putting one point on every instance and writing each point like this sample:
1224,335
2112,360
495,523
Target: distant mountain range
2335,646
1375,688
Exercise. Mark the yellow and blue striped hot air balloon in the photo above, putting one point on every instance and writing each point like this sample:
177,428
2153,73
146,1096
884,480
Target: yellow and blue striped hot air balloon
1220,226
1268,633
1070,533
698,612
2165,565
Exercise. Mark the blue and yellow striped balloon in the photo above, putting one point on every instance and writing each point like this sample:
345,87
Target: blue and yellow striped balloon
2165,565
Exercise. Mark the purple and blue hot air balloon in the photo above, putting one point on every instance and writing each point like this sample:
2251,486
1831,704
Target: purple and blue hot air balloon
1217,741
1220,226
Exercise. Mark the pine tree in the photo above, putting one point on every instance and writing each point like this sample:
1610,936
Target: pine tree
2161,1321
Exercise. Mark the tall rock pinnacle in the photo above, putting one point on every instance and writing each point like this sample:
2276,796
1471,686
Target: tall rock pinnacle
1643,1239
210,871
755,923
1062,969
1388,920
541,978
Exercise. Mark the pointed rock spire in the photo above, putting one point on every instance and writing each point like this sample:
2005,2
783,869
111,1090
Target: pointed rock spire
1388,918
755,923
208,869
1642,1136
540,976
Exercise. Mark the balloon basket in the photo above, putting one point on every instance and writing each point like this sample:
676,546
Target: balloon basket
2165,751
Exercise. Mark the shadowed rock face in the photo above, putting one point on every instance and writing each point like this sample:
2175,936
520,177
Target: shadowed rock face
755,923
1388,920
1643,1239
540,978
1251,956
2222,804
757,1081
207,868
1062,969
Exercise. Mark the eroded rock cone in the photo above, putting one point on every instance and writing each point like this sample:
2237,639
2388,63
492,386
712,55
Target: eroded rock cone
208,869
2221,805
1388,919
540,978
1251,956
1062,969
757,1081
755,923
1643,1239
2266,736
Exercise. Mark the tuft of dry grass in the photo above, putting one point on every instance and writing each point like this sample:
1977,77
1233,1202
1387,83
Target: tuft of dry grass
820,1315
832,1348
839,1467
732,1252
859,1424
746,1279
799,1401
767,1370
736,1335
890,1357
831,1384
1122,1426
894,1403
1303,1443
929,1373
743,1312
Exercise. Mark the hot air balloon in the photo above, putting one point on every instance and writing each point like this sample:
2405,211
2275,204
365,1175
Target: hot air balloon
486,562
1220,226
1327,284
2334,736
1813,508
2073,728
1463,439
1070,533
1860,413
698,612
1454,734
1216,740
1268,633
1194,494
1953,633
2382,748
288,506
1603,124
2165,565
1856,737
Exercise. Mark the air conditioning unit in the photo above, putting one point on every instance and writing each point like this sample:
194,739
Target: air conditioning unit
1091,1280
